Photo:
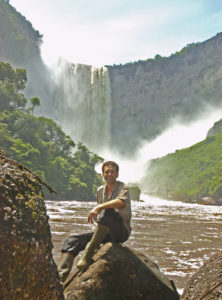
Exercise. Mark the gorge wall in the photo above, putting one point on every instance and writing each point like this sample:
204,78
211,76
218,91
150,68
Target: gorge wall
147,95
124,105
20,46
116,107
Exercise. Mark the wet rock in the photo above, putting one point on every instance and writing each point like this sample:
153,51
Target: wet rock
134,192
120,274
219,201
27,268
206,201
206,283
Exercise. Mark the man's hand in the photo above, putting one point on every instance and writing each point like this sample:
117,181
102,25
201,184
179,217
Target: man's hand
92,216
116,203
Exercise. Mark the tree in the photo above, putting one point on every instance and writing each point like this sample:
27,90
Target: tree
35,101
40,144
189,174
12,82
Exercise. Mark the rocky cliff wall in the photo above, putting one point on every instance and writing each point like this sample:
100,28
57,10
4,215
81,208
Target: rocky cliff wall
124,105
20,46
146,95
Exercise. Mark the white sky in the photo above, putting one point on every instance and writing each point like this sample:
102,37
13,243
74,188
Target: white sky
102,32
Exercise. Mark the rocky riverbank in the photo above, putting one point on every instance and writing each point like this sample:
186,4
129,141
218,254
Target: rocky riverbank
28,271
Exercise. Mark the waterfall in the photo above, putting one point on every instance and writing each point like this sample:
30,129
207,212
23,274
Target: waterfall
84,103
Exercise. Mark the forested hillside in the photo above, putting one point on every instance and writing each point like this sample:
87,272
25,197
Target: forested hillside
40,144
20,46
19,41
193,174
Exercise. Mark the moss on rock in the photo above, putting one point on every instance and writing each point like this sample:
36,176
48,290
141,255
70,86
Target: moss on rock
27,268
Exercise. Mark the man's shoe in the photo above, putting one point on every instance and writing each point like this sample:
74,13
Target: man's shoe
98,236
65,266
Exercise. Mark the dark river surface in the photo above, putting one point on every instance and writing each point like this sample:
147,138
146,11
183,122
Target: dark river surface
179,237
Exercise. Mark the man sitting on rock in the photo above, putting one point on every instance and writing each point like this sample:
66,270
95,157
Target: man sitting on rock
112,217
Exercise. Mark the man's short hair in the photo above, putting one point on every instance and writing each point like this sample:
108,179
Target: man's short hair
110,163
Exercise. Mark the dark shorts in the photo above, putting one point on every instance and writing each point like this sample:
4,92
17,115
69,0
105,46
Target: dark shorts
117,233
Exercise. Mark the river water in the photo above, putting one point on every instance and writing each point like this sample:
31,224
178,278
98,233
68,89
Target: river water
179,237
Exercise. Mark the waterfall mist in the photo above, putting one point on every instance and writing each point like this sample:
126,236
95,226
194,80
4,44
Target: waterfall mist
177,136
84,103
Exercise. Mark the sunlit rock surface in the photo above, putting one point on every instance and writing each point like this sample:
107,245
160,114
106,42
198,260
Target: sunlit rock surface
118,273
217,128
206,283
27,268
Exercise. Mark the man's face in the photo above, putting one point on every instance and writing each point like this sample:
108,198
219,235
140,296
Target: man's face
110,174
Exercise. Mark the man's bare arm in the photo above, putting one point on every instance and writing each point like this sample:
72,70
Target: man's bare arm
116,203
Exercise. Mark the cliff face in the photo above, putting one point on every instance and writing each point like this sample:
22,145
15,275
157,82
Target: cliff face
217,128
120,106
146,95
20,46
140,99
19,41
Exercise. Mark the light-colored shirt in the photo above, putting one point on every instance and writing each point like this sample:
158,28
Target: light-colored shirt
120,191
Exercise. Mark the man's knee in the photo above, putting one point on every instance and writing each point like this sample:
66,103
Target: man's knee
109,218
76,243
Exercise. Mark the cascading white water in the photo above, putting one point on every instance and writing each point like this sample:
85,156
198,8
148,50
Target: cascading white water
85,103
177,136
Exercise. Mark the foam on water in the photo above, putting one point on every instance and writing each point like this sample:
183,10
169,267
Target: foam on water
178,236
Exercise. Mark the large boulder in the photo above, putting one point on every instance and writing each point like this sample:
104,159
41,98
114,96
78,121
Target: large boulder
134,192
27,268
206,283
120,274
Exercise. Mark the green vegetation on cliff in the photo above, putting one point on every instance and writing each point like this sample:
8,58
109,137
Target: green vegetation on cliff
12,82
158,58
20,46
41,145
19,42
189,174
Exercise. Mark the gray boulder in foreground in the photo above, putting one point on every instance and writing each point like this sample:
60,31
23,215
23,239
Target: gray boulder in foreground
206,283
27,268
120,274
